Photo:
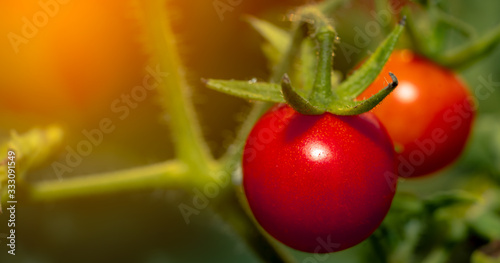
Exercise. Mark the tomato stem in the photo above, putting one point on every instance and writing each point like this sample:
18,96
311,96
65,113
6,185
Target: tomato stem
464,28
322,93
324,34
186,132
431,45
418,42
170,174
377,246
469,53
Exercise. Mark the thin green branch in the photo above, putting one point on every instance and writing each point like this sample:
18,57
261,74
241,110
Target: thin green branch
324,35
378,248
464,28
471,52
322,88
171,174
187,136
418,42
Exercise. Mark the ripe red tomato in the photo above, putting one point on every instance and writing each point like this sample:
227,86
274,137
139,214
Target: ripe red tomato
429,115
318,183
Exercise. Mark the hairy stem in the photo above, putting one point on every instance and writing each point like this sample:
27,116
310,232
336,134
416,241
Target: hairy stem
324,35
322,87
187,136
464,28
417,40
172,174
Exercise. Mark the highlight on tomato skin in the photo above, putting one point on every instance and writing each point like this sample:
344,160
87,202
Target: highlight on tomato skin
318,183
429,116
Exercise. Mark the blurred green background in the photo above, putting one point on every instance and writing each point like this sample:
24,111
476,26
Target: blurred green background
91,52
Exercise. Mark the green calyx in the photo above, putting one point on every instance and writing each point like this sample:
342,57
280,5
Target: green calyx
295,100
310,45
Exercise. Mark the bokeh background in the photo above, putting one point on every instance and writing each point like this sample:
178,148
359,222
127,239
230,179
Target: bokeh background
90,52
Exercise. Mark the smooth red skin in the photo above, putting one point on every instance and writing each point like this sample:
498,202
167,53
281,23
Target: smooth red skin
339,198
434,109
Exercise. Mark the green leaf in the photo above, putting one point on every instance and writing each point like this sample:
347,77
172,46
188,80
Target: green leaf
250,90
411,236
349,107
407,203
31,148
449,198
454,22
483,153
368,72
487,225
489,253
277,37
482,216
437,255
272,55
